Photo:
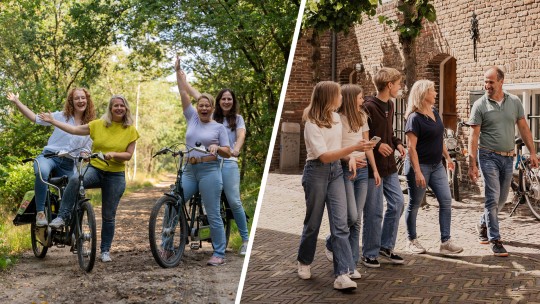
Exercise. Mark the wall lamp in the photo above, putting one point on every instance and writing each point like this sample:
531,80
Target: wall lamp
359,67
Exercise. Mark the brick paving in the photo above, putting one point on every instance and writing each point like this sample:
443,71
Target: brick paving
474,276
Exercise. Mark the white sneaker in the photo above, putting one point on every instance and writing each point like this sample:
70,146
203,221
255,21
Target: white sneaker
414,247
57,223
304,271
41,219
449,247
243,248
355,275
343,282
329,254
106,257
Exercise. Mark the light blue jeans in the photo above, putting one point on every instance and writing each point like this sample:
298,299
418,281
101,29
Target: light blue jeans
57,166
206,178
231,186
112,184
497,173
437,180
374,236
356,191
323,184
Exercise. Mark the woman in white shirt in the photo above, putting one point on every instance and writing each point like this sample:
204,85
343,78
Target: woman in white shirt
78,110
355,169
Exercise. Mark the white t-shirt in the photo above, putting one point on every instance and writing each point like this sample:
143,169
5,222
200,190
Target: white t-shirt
63,141
350,138
321,140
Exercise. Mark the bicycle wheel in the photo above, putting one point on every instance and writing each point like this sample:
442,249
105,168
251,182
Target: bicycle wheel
86,237
227,220
532,200
167,232
38,246
454,184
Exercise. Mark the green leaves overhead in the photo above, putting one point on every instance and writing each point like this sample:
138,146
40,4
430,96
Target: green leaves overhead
411,14
337,15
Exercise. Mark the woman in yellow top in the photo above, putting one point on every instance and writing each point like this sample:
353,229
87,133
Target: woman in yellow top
114,135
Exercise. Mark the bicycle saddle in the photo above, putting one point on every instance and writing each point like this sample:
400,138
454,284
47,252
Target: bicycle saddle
519,141
59,181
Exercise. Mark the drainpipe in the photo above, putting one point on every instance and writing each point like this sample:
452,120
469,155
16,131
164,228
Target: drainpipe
334,52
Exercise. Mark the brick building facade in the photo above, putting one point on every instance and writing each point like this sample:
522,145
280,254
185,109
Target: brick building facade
509,36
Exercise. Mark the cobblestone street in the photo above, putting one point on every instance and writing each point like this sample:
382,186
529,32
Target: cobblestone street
474,276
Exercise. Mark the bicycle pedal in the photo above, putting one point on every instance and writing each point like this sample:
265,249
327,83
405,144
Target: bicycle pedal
195,246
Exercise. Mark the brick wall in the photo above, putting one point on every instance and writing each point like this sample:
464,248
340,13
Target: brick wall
509,37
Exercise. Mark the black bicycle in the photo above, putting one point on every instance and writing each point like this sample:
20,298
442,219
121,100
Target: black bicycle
79,231
175,220
527,187
455,152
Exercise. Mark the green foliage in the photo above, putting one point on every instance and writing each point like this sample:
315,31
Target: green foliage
239,44
13,241
410,18
336,15
18,180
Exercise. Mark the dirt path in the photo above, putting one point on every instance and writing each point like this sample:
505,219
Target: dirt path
132,277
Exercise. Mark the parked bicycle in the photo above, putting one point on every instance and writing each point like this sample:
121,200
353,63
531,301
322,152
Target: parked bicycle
79,232
176,220
527,187
451,141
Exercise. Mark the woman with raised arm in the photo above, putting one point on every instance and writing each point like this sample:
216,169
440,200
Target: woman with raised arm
202,172
115,136
423,165
78,110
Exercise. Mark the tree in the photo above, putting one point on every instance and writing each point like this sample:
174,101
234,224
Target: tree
409,26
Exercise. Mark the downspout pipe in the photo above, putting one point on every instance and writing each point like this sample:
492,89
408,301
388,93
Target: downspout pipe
334,55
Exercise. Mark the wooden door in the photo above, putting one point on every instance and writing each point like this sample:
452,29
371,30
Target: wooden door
449,100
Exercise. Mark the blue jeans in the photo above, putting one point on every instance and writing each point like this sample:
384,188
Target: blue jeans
497,173
356,191
437,180
323,184
57,166
206,178
231,186
112,184
374,236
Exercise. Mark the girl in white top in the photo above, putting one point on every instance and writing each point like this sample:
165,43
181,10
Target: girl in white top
355,170
323,184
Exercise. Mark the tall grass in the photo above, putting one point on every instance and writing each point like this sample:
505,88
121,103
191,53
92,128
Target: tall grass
13,241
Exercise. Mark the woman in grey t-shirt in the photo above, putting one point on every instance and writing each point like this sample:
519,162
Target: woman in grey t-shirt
202,172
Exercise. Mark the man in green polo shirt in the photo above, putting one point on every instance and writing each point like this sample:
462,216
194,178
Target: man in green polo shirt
493,120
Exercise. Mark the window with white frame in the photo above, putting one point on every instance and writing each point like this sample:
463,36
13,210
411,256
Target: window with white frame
529,93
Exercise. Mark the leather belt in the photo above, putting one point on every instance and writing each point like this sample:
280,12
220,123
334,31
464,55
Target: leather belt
507,154
203,159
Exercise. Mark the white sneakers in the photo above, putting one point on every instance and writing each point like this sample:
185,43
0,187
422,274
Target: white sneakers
106,257
355,275
41,219
344,282
414,247
329,255
449,247
57,223
304,271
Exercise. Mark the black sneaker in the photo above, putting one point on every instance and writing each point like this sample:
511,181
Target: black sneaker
482,233
371,263
388,254
498,248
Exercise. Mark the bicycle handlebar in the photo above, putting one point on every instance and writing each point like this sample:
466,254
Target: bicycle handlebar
166,150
